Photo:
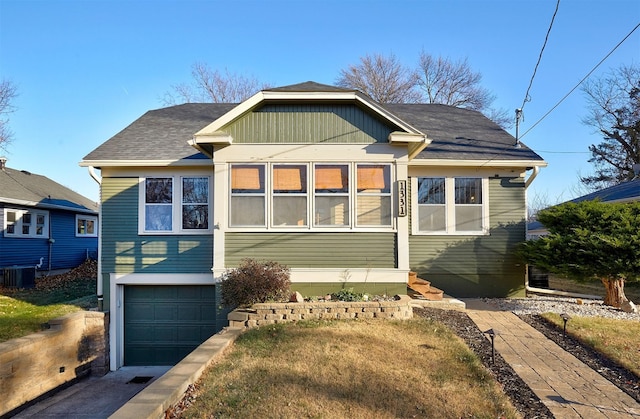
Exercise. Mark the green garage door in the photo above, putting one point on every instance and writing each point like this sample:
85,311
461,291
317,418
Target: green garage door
162,324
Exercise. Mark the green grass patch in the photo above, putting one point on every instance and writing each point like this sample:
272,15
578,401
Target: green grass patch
24,311
618,340
355,369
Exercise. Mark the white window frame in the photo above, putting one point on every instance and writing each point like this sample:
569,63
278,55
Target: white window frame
450,207
86,218
33,225
311,224
176,205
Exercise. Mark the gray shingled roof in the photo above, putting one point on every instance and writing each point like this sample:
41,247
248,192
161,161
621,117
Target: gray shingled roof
458,134
309,86
18,186
161,134
461,134
625,191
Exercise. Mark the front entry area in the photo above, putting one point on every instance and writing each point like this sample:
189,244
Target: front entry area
164,323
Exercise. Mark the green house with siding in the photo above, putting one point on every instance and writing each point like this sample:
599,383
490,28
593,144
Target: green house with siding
341,189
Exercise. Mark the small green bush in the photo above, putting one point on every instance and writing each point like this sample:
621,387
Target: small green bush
255,282
347,295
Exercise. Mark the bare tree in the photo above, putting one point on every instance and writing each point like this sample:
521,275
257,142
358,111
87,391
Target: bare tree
8,92
383,78
614,111
454,83
209,85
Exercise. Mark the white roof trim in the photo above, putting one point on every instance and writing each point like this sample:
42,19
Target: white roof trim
149,163
475,163
214,128
406,137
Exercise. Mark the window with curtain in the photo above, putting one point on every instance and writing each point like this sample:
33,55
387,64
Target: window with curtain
373,195
311,195
248,207
289,195
331,195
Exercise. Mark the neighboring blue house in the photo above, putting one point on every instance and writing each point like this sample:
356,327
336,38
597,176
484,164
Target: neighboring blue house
44,223
628,191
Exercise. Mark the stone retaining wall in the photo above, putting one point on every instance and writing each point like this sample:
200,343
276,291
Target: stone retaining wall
271,313
74,346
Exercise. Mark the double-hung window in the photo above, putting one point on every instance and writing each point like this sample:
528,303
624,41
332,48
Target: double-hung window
310,195
175,205
331,195
450,205
289,195
26,223
248,206
373,203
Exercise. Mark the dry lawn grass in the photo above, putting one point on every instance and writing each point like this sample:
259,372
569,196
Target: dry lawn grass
619,340
350,369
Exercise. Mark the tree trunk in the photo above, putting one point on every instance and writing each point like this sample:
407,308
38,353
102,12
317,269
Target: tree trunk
615,292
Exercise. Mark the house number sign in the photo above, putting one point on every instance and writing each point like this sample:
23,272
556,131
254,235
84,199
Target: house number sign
402,198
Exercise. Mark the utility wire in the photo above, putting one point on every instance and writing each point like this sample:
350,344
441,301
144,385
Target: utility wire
581,81
546,38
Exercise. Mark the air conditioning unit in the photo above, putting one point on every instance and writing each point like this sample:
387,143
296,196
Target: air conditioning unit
19,277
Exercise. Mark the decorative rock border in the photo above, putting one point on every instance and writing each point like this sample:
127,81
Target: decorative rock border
271,313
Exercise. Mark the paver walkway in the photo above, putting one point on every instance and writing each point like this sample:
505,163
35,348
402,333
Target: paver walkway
567,386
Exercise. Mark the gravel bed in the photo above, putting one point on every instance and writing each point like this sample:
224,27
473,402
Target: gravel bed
549,304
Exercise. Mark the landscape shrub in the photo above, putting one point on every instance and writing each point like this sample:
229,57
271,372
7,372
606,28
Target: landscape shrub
255,282
347,295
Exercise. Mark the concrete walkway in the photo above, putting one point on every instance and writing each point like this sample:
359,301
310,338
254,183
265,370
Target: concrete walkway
567,386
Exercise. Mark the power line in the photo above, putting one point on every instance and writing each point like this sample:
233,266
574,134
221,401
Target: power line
535,69
583,79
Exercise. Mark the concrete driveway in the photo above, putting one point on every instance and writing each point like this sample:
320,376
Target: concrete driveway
95,397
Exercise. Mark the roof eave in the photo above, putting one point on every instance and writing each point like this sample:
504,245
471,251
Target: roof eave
148,163
478,162
35,204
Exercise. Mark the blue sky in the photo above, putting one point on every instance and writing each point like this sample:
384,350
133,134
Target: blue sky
87,69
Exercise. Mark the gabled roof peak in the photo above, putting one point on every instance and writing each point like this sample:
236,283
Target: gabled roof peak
309,86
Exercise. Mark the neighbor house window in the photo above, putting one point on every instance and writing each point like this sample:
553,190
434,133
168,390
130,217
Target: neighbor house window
175,205
26,223
447,205
86,226
310,195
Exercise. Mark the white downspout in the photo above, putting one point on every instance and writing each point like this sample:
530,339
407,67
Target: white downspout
99,284
536,170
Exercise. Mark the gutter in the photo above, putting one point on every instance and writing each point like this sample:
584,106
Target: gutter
99,284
